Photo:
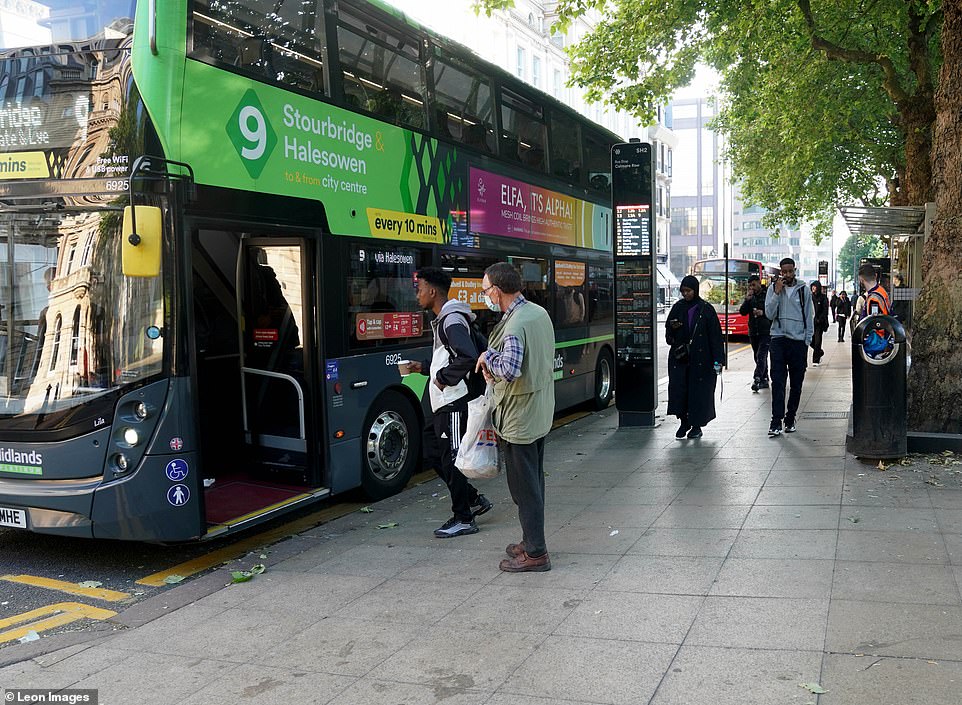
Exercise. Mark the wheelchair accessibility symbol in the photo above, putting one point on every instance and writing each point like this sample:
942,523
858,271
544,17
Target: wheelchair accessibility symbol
177,470
178,495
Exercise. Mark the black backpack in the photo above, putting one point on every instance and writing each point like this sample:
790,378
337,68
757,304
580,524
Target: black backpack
475,380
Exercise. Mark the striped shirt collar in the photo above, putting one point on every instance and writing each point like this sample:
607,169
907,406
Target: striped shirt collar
515,304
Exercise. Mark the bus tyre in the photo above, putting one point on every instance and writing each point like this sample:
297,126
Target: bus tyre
390,446
604,380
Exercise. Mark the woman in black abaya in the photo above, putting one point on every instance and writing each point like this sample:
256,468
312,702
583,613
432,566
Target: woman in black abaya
696,356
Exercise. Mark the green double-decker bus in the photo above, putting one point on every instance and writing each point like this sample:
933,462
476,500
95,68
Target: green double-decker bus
211,213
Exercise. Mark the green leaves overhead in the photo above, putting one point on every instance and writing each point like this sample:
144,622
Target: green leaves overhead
817,95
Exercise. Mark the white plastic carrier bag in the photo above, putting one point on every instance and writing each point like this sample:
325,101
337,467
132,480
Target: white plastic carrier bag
478,453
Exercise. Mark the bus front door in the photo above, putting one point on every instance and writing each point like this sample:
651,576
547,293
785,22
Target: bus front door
276,323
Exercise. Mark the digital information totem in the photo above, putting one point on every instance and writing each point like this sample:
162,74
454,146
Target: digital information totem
636,334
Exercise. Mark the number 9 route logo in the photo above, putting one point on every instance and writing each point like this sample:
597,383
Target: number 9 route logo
251,134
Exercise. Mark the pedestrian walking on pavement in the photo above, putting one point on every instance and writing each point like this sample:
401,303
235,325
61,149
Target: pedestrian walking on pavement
820,305
843,311
833,305
788,305
759,330
450,368
519,363
695,359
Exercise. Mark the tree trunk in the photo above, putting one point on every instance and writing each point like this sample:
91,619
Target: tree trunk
916,118
935,382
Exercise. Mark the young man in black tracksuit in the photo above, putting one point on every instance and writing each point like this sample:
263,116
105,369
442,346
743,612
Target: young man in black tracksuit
759,329
454,357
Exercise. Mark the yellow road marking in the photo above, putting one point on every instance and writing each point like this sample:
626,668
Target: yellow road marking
222,555
70,588
63,613
569,418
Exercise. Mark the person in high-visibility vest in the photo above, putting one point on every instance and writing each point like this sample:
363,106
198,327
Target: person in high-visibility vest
877,302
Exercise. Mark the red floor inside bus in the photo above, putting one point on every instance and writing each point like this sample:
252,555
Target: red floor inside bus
236,495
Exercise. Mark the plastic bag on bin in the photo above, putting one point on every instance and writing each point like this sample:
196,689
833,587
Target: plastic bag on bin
478,452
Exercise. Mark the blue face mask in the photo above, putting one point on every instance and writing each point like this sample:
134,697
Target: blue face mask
490,304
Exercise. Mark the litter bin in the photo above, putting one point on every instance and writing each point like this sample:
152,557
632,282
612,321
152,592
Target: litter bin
879,424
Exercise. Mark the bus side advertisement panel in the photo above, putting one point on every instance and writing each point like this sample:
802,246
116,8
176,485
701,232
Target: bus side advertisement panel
500,205
256,137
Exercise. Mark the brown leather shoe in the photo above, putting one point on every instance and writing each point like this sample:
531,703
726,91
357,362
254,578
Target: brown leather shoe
515,549
524,563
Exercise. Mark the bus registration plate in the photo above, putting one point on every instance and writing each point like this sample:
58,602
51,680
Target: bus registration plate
16,518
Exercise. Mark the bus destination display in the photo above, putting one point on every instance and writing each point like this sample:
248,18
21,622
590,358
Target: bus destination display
632,234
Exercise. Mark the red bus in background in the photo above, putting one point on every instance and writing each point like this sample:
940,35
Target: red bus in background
711,277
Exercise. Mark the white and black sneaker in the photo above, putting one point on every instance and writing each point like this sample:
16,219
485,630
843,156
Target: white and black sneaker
482,505
455,527
790,426
775,429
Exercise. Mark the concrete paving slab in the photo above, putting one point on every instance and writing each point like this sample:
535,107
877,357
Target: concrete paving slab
891,546
887,681
889,519
804,478
658,479
949,520
632,616
799,496
513,608
638,496
717,495
375,561
731,478
702,674
406,601
662,574
596,670
793,517
598,539
339,646
953,544
367,691
269,686
685,542
686,517
775,577
760,623
443,658
154,679
601,515
455,566
895,582
895,629
786,543
945,498
871,493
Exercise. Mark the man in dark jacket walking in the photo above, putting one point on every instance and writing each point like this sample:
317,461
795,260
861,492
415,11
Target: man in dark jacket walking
759,329
455,354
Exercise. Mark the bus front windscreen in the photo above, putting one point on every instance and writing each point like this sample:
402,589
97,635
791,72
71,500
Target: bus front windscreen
53,22
72,326
712,290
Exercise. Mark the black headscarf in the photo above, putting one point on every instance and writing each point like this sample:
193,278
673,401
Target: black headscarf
817,286
690,282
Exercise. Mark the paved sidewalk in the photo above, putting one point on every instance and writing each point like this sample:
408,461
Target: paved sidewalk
723,571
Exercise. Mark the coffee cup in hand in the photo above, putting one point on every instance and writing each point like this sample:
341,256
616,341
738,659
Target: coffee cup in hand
406,367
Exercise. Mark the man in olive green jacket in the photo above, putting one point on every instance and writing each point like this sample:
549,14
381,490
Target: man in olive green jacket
520,364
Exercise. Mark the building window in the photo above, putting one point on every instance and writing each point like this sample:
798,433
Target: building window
556,83
520,67
75,337
536,71
58,326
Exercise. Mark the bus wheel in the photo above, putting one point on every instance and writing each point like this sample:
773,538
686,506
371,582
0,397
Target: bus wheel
604,380
390,448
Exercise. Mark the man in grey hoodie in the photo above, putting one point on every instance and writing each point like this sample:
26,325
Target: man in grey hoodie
455,354
788,305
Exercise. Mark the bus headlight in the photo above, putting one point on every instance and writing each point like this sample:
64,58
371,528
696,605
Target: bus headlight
140,411
120,463
131,437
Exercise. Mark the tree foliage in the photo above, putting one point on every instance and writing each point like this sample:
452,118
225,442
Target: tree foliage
855,249
823,101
